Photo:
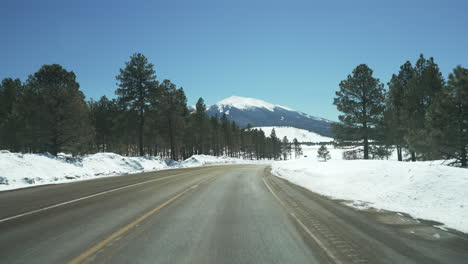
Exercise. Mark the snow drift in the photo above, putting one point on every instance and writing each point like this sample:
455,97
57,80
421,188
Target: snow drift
425,190
23,170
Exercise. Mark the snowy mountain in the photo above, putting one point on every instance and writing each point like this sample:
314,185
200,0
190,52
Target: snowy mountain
291,133
258,113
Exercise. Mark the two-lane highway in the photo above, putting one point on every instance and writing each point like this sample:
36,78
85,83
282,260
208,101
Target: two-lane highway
205,215
219,214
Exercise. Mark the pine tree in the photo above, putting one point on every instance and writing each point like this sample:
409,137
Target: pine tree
395,123
103,115
247,141
260,142
274,145
173,112
285,148
10,90
297,148
136,83
236,140
63,122
361,100
448,118
423,87
201,128
216,135
323,153
226,135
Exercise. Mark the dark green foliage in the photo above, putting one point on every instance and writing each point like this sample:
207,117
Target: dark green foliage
104,114
361,100
173,112
448,118
297,148
55,113
201,128
323,153
216,135
226,140
422,115
46,114
380,152
286,148
394,116
9,94
423,87
273,146
137,81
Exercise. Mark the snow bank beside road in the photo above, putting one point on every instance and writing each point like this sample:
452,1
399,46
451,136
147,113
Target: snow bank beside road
424,190
23,170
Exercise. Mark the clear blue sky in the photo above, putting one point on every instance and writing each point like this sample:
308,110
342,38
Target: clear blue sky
292,53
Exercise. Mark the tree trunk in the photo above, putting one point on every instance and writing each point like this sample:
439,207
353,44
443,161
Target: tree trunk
171,140
140,134
400,157
413,156
366,148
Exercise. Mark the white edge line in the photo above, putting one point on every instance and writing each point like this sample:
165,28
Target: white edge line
87,197
307,230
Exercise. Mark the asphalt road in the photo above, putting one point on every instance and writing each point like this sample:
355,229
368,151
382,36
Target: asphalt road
219,214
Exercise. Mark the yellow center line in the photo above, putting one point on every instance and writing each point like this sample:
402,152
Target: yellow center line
126,228
93,195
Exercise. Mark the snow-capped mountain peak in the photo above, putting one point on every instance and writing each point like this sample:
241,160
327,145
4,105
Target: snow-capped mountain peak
250,111
243,103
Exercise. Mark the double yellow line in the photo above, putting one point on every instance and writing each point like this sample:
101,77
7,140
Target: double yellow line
88,253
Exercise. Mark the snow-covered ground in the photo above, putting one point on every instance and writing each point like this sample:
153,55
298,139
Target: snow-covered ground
24,170
425,190
301,135
335,153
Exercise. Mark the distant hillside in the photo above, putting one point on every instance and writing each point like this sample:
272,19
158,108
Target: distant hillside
301,135
258,113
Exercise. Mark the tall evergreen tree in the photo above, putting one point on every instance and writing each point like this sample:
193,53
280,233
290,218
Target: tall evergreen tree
216,135
395,123
361,100
104,114
236,140
285,148
448,117
10,90
274,146
260,144
62,120
136,83
173,111
423,87
202,128
226,135
297,148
